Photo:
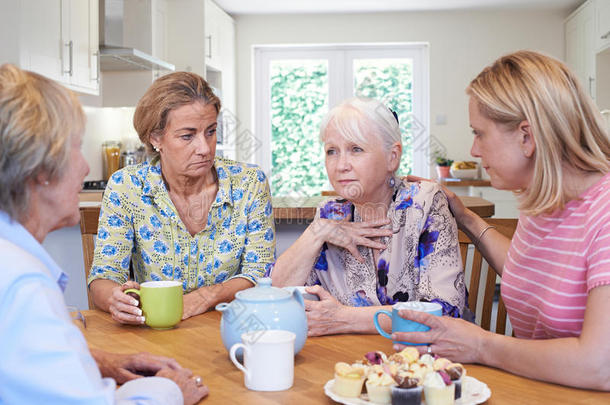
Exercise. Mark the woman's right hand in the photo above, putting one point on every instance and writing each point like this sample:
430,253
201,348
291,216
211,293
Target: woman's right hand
350,235
124,308
192,391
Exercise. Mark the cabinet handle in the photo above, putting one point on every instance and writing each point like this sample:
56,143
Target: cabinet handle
591,80
97,65
70,46
209,38
606,35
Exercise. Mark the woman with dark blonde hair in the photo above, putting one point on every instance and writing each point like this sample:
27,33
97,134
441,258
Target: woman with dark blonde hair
45,358
185,215
538,133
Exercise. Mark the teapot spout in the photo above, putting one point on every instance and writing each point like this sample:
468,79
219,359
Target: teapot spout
223,306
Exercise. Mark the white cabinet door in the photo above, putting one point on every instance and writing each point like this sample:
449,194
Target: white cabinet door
602,24
80,40
41,47
580,46
213,33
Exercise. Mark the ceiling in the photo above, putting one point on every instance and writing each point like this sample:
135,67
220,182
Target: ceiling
367,6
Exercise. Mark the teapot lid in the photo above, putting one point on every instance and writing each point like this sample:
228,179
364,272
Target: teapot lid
263,292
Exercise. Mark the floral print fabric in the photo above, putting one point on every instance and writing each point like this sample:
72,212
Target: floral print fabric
422,260
139,225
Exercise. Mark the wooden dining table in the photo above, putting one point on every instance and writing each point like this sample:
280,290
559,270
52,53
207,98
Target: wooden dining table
196,344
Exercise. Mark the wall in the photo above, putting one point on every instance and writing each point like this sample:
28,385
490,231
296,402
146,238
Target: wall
461,44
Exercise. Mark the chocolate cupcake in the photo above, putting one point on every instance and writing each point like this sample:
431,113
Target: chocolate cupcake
456,371
408,390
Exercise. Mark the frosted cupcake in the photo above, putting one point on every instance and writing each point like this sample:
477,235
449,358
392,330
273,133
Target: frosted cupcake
379,387
456,371
348,380
406,356
438,389
408,389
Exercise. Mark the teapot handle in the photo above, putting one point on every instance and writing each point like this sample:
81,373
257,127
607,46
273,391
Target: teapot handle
299,297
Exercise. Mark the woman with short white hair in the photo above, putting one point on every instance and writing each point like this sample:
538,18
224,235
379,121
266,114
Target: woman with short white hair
383,241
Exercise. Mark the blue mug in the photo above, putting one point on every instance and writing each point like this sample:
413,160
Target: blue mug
400,324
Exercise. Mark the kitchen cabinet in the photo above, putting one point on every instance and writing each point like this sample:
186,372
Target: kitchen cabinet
80,44
602,24
219,30
55,38
580,45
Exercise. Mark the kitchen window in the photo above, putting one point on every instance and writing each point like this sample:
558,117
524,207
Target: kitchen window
296,85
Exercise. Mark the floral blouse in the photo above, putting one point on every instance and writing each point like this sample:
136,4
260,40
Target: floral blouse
422,260
139,225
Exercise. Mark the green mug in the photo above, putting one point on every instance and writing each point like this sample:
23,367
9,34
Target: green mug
161,303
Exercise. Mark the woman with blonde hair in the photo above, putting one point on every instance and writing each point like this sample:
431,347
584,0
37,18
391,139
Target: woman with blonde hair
537,133
186,215
45,358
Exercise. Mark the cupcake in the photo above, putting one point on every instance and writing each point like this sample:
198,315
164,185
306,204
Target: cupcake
376,357
456,371
427,360
438,389
407,355
408,389
348,380
379,387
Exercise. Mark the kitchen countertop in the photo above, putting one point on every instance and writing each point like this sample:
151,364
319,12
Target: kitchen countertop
465,182
300,208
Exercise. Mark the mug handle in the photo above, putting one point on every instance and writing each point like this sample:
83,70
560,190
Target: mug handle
234,360
133,290
378,327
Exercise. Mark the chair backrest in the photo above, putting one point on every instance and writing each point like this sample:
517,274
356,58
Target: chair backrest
89,217
506,226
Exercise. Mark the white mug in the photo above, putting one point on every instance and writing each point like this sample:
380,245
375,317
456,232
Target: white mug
268,359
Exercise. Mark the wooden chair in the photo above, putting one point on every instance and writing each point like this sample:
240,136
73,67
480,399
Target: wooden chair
89,217
507,228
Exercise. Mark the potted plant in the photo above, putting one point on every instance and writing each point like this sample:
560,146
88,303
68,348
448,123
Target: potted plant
443,165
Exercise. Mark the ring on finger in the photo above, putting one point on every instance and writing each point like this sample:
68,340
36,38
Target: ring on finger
429,351
198,381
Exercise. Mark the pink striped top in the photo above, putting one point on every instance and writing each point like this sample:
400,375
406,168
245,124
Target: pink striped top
554,261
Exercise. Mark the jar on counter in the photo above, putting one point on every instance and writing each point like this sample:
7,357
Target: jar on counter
129,157
111,154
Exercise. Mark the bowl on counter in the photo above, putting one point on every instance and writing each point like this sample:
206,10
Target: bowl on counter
465,173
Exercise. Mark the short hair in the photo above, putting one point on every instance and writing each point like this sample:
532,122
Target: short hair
168,93
566,125
38,119
355,117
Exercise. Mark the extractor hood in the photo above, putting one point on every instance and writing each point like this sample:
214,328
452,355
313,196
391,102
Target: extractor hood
113,55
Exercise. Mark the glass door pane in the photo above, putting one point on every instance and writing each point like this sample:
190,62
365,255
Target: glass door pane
391,82
299,100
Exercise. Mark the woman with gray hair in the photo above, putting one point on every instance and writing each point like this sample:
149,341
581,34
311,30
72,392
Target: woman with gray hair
45,358
383,241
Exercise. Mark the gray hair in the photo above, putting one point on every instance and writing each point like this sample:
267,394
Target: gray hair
359,118
38,118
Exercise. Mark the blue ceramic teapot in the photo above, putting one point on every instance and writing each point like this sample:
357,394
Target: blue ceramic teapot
262,308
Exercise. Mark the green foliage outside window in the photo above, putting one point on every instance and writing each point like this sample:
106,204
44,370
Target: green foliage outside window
299,100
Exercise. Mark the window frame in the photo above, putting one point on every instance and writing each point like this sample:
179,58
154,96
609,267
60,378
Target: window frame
340,57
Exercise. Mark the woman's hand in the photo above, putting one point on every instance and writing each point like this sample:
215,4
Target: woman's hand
453,338
324,317
192,388
457,207
125,367
350,235
124,308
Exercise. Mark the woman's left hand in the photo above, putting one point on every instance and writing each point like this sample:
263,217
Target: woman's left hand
199,301
125,367
324,316
453,338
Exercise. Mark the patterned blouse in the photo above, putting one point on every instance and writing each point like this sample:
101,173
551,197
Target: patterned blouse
422,261
140,225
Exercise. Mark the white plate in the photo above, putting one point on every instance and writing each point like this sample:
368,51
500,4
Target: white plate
473,392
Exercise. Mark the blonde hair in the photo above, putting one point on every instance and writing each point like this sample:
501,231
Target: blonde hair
357,118
38,119
167,93
566,125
